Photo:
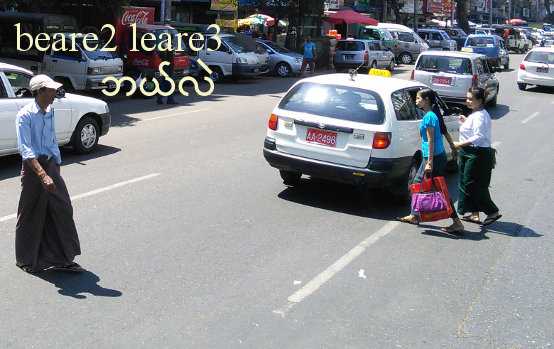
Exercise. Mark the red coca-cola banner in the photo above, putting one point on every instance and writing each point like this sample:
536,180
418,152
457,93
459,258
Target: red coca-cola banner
130,15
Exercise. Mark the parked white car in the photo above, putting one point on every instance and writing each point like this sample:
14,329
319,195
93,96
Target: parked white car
362,130
80,120
537,68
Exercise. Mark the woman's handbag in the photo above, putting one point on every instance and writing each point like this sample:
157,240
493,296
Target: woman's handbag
431,200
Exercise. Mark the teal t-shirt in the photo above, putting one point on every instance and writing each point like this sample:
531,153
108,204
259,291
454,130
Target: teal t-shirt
430,119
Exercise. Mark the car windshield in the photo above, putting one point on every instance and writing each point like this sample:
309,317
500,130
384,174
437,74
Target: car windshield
386,34
454,65
338,102
98,53
236,44
350,46
277,47
445,36
540,57
480,42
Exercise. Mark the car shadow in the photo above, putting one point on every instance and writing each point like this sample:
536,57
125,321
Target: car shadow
76,284
540,89
498,111
11,164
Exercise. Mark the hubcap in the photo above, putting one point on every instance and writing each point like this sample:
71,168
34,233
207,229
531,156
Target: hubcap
406,59
283,70
88,136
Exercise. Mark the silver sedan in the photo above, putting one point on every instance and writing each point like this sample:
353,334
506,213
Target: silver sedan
282,61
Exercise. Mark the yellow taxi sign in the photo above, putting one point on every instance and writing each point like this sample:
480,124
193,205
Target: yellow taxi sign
379,72
466,49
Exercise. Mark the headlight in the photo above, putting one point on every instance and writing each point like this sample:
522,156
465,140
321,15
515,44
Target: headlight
107,109
94,71
119,69
241,60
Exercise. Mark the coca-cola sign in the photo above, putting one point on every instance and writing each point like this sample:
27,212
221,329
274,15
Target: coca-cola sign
141,62
131,16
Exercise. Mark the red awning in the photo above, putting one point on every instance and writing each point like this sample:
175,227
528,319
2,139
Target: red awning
349,16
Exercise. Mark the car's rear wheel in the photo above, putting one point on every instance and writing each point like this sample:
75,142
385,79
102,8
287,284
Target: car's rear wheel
85,136
406,58
521,86
401,191
290,178
283,69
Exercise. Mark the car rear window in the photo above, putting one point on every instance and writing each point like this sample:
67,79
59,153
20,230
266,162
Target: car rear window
480,42
339,102
540,57
455,65
350,46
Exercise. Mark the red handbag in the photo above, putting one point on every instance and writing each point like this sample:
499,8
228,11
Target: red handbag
440,185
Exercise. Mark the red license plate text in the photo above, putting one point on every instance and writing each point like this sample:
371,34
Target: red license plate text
321,137
441,80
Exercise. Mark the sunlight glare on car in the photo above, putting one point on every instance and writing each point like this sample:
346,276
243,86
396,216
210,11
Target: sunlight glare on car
316,95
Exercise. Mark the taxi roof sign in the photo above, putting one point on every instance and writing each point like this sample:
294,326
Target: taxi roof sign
380,72
466,49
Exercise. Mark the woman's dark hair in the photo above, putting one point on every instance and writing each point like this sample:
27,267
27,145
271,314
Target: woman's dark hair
434,99
479,93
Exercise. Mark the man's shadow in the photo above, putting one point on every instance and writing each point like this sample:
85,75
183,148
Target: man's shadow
75,284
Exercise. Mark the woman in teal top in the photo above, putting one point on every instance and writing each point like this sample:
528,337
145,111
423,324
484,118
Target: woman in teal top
431,132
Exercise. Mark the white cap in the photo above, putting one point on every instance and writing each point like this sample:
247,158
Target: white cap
40,81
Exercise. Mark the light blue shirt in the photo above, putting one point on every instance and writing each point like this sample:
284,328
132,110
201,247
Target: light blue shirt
36,133
308,47
430,119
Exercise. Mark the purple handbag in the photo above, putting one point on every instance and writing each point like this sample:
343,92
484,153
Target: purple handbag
428,201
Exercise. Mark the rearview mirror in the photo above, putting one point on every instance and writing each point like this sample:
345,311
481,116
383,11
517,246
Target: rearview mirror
60,93
455,111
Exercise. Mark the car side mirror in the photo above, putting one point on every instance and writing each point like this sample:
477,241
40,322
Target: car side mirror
60,93
229,51
455,111
269,51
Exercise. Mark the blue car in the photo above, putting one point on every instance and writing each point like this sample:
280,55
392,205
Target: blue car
492,46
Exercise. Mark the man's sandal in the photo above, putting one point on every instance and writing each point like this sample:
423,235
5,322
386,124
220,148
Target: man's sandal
471,220
73,267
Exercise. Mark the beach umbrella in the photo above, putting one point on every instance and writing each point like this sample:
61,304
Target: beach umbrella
349,16
515,21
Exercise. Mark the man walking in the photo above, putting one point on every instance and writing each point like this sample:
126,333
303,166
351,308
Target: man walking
45,233
166,55
309,56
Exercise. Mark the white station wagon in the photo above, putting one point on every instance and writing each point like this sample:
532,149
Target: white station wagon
537,68
79,120
359,130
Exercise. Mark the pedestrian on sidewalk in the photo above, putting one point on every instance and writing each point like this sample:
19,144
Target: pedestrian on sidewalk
167,55
477,159
45,234
309,56
432,129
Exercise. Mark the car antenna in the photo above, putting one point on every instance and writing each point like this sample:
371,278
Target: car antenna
354,72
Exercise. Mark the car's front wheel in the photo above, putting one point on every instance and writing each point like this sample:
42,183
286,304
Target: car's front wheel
406,58
216,75
290,178
85,136
283,69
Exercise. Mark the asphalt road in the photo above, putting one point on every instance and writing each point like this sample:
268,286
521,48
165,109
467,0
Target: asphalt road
191,240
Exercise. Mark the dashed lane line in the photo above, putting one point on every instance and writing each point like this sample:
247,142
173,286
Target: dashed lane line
94,192
328,273
530,117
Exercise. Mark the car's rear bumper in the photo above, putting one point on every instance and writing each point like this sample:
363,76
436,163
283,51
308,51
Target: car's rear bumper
378,173
343,65
535,81
244,69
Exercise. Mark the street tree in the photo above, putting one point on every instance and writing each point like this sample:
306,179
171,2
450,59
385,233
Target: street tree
98,7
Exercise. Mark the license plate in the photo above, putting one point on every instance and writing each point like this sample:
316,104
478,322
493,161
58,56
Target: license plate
348,57
441,80
542,69
321,137
256,70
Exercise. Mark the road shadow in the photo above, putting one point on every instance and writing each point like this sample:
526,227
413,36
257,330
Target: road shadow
499,227
499,111
343,198
75,284
540,89
11,164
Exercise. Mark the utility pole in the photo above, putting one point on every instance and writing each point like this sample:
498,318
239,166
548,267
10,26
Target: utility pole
452,13
167,10
509,10
162,10
490,13
415,15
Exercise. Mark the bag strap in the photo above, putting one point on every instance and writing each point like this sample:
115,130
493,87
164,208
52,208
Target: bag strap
432,181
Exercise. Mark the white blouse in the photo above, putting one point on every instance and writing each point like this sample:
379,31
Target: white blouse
477,129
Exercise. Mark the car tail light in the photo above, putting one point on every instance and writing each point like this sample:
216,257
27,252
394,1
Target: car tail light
522,66
474,81
366,56
272,124
381,140
412,75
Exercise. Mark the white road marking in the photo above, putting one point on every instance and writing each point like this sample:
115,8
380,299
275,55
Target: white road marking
170,115
496,144
94,192
530,117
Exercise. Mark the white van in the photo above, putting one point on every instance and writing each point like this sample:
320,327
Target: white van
232,57
408,45
77,70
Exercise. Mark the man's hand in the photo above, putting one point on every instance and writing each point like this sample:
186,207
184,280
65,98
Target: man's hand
47,183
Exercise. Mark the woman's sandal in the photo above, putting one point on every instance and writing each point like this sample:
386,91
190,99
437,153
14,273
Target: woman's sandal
488,221
451,230
471,220
27,269
406,220
73,267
